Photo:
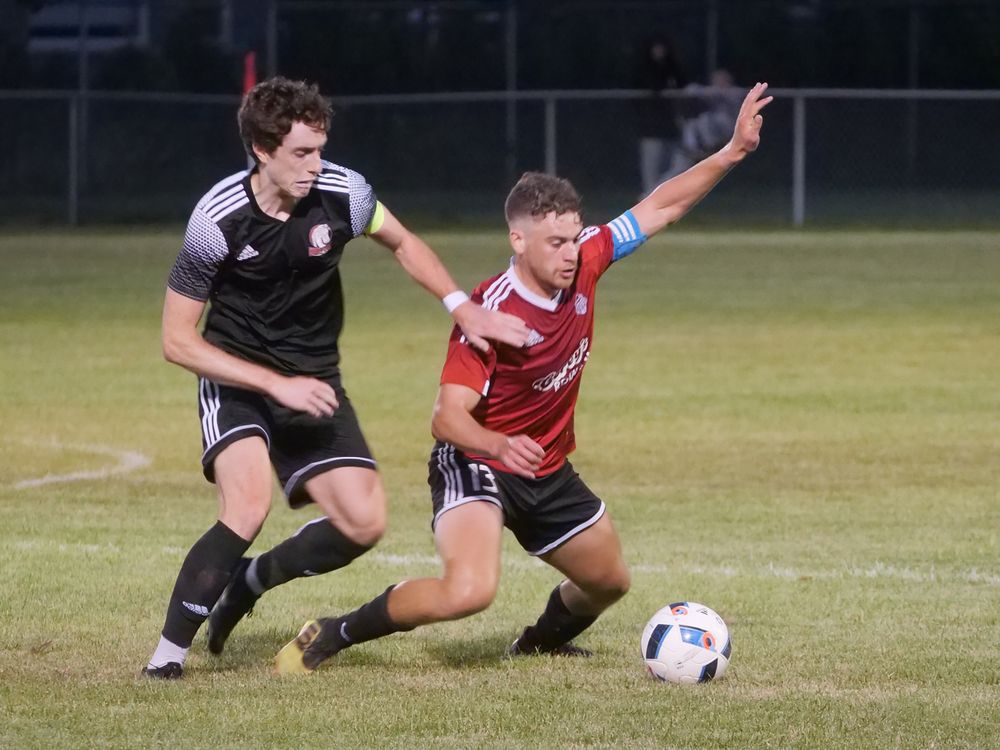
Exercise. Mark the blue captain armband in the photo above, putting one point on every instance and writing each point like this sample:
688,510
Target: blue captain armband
626,235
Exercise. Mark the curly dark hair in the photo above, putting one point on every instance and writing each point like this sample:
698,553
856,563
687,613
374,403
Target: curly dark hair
271,107
537,194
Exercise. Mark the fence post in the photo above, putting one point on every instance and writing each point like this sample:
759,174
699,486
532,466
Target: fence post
799,161
550,135
73,171
271,19
510,74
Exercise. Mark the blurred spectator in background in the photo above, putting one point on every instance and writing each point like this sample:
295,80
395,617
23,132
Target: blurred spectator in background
658,127
709,116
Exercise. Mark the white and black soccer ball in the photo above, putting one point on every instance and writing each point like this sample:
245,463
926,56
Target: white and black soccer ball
686,642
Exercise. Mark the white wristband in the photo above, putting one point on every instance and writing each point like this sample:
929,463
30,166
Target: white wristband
453,300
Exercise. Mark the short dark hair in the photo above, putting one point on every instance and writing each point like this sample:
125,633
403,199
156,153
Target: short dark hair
271,107
538,194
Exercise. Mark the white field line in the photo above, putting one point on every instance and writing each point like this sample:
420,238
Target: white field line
874,570
128,461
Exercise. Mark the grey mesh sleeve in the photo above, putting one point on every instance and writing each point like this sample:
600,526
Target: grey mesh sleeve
198,262
362,202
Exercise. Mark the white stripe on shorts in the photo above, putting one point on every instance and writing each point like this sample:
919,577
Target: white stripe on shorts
452,474
242,427
208,393
295,477
464,501
572,533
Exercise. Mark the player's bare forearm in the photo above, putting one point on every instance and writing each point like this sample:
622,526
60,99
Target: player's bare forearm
415,256
678,195
183,345
423,265
453,423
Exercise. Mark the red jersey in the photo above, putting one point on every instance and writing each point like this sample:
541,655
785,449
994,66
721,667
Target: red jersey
533,390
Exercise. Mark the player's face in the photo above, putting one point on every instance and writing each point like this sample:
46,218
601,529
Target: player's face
547,249
294,164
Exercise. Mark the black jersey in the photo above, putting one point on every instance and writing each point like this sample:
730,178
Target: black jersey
274,286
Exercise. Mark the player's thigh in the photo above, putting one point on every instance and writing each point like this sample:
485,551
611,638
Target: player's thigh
353,498
243,478
469,539
593,559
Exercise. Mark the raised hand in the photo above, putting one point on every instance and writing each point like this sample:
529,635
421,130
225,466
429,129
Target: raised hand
746,134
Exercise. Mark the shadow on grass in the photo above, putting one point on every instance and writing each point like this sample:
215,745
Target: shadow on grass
254,649
483,650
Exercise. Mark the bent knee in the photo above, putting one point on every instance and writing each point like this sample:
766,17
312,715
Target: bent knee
364,527
610,588
245,521
364,533
618,585
466,598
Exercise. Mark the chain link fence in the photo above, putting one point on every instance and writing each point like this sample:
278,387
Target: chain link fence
882,158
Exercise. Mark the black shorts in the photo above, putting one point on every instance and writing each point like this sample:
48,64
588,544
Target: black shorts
543,513
301,446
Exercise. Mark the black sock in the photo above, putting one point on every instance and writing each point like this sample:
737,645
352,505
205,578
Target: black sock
369,621
556,626
366,623
318,547
203,575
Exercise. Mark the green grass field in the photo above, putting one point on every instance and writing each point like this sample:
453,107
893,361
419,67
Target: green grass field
799,430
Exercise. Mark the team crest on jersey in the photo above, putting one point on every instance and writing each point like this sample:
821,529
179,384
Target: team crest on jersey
319,239
580,303
534,337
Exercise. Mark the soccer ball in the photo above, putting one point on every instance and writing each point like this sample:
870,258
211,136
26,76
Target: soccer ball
686,642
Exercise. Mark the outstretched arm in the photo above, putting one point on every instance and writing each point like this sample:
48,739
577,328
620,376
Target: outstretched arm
675,197
426,269
453,423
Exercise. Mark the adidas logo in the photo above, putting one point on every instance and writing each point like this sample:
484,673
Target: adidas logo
199,609
534,337
247,253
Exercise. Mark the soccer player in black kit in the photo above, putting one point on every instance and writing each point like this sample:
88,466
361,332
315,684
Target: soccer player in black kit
263,248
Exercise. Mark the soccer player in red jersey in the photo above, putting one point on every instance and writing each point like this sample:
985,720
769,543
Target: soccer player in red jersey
503,421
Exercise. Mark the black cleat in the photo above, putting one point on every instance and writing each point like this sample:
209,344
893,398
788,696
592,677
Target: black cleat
328,641
236,602
316,642
172,670
519,648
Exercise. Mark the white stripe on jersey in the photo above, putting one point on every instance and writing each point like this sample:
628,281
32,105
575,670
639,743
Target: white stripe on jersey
237,201
332,177
587,233
222,185
220,198
332,188
497,292
221,192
